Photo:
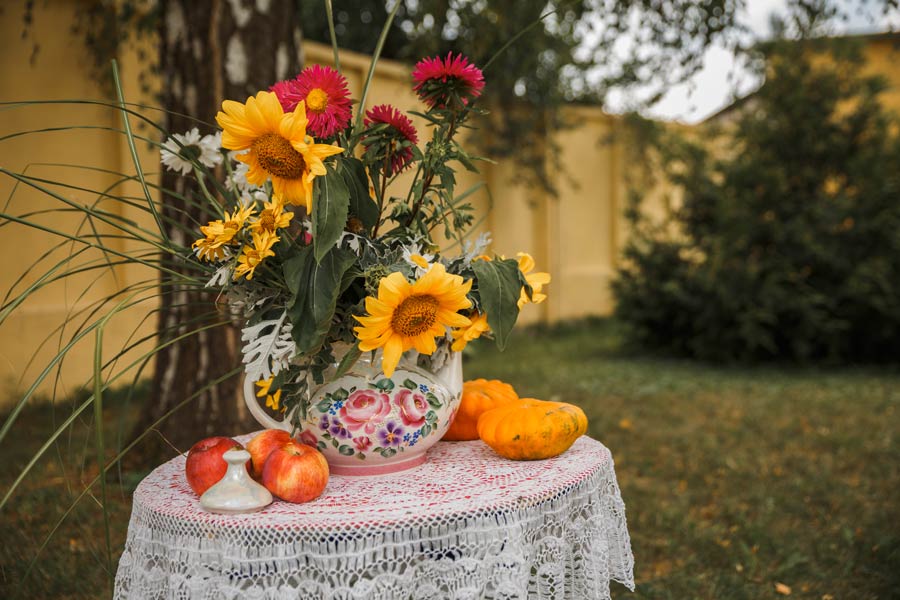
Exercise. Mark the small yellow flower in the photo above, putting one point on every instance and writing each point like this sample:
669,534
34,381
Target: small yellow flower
272,400
220,233
264,385
536,280
255,254
464,335
272,217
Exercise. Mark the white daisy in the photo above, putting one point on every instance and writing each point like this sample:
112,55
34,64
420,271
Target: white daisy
417,258
193,148
237,181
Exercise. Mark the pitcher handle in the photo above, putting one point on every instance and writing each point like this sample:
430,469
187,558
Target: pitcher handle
261,416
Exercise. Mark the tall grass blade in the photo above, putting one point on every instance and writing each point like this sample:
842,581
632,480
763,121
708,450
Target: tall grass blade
133,149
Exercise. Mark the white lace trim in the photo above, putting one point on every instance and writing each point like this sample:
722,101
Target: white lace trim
465,525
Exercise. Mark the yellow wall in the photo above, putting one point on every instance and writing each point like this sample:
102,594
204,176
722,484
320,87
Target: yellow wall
575,236
31,335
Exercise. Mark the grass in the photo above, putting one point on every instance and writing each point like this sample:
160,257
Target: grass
735,479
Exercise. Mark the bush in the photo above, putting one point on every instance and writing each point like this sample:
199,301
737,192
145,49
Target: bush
789,246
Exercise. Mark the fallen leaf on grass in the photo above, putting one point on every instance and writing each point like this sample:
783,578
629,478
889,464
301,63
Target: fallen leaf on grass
782,589
626,424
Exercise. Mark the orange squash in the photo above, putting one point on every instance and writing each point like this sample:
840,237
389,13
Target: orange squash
478,396
532,429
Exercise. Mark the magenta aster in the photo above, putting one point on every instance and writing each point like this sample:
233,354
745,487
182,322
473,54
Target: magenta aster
326,95
401,130
438,80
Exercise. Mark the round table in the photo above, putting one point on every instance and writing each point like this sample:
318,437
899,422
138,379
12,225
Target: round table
467,524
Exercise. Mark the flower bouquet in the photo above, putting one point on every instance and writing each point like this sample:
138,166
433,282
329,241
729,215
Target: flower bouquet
354,319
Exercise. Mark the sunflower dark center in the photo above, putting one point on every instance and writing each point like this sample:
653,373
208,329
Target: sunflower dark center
415,315
276,156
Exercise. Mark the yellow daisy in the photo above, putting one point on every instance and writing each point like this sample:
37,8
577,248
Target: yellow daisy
220,233
277,144
412,315
464,335
536,280
271,218
253,255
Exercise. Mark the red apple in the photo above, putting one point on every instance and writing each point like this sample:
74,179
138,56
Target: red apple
295,472
205,465
262,445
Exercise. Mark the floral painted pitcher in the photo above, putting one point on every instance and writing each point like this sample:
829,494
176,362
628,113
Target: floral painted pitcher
367,424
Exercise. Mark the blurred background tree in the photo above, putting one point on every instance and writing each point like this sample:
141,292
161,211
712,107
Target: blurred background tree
787,246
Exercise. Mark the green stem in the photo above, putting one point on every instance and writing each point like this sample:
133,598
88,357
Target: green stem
334,46
375,55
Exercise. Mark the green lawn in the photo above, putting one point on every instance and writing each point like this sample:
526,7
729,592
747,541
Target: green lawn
734,479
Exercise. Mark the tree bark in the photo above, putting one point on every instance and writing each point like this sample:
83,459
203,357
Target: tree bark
209,51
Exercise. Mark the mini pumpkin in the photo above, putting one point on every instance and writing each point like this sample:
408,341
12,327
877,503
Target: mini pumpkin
478,396
532,429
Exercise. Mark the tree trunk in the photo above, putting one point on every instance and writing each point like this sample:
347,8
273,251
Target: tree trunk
209,51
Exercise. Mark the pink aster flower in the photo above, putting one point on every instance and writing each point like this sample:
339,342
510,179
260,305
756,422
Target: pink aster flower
439,80
326,95
400,131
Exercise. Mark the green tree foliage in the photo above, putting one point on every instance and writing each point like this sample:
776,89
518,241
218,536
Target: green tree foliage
569,56
789,246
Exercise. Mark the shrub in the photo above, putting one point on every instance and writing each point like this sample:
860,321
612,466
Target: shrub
789,245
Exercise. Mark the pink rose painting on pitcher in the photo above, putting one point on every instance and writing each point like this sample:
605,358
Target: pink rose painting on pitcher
413,407
382,419
366,410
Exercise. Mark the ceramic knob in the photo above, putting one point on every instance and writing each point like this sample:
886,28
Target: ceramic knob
236,492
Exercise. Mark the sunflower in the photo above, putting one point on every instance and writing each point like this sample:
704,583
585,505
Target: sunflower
536,280
253,255
464,335
411,315
272,217
220,233
279,148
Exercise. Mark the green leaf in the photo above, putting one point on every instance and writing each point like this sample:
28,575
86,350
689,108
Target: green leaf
426,429
361,204
388,452
348,361
335,443
410,384
323,405
431,417
499,287
385,385
341,394
433,400
346,450
331,202
320,445
315,288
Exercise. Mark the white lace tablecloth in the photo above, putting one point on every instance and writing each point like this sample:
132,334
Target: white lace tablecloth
467,524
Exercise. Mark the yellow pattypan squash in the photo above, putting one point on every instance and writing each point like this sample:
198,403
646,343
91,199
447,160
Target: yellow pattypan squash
532,429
